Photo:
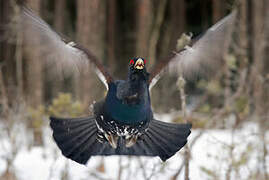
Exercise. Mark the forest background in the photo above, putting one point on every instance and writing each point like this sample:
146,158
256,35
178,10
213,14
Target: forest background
116,31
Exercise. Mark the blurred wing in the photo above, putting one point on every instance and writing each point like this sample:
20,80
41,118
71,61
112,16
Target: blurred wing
204,58
59,56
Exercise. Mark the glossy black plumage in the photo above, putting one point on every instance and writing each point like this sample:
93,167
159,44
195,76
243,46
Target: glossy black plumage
77,139
123,123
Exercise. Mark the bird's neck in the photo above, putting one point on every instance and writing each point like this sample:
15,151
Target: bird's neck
138,81
135,91
137,78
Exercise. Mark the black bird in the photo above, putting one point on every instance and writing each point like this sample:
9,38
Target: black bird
123,122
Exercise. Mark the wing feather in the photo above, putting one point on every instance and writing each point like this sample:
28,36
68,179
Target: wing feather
203,58
60,56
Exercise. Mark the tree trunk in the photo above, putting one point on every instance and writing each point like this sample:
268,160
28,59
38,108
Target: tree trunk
178,21
217,9
260,72
59,14
34,71
34,80
111,34
260,65
59,17
174,27
90,33
144,19
155,35
7,51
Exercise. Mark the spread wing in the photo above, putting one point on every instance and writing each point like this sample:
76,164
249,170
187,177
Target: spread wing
203,58
61,57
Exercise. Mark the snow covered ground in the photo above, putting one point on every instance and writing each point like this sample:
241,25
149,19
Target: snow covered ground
210,158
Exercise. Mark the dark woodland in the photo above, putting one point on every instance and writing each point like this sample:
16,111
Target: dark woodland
232,95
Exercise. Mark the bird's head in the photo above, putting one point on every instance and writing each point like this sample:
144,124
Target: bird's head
137,68
137,64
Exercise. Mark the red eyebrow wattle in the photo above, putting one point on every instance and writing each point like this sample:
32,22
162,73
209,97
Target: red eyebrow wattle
131,61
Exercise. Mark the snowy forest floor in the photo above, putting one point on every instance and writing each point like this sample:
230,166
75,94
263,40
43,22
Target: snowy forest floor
215,154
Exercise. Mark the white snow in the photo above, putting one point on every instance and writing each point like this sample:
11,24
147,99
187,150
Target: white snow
211,151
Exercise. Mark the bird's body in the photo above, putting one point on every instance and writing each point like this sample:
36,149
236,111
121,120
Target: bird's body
126,110
123,122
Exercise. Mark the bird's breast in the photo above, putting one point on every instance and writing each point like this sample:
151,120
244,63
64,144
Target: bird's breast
125,113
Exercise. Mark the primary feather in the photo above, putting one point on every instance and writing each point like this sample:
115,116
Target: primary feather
206,55
202,58
61,58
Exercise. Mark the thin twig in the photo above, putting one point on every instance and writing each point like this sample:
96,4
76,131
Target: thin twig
120,168
18,53
4,99
153,172
231,155
174,177
142,167
181,85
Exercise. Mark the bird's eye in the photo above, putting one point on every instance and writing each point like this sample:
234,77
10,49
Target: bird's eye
131,61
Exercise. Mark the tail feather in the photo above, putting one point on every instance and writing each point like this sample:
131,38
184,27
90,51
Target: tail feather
76,145
84,152
173,133
157,143
147,146
61,136
161,137
72,131
167,138
171,127
62,125
73,135
77,139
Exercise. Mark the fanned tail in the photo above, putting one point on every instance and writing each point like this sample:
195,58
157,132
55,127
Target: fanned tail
77,139
165,139
161,139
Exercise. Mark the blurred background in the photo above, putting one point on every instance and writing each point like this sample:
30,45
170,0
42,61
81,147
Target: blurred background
229,111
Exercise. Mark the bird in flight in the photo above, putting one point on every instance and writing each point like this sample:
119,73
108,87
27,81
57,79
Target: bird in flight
123,122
